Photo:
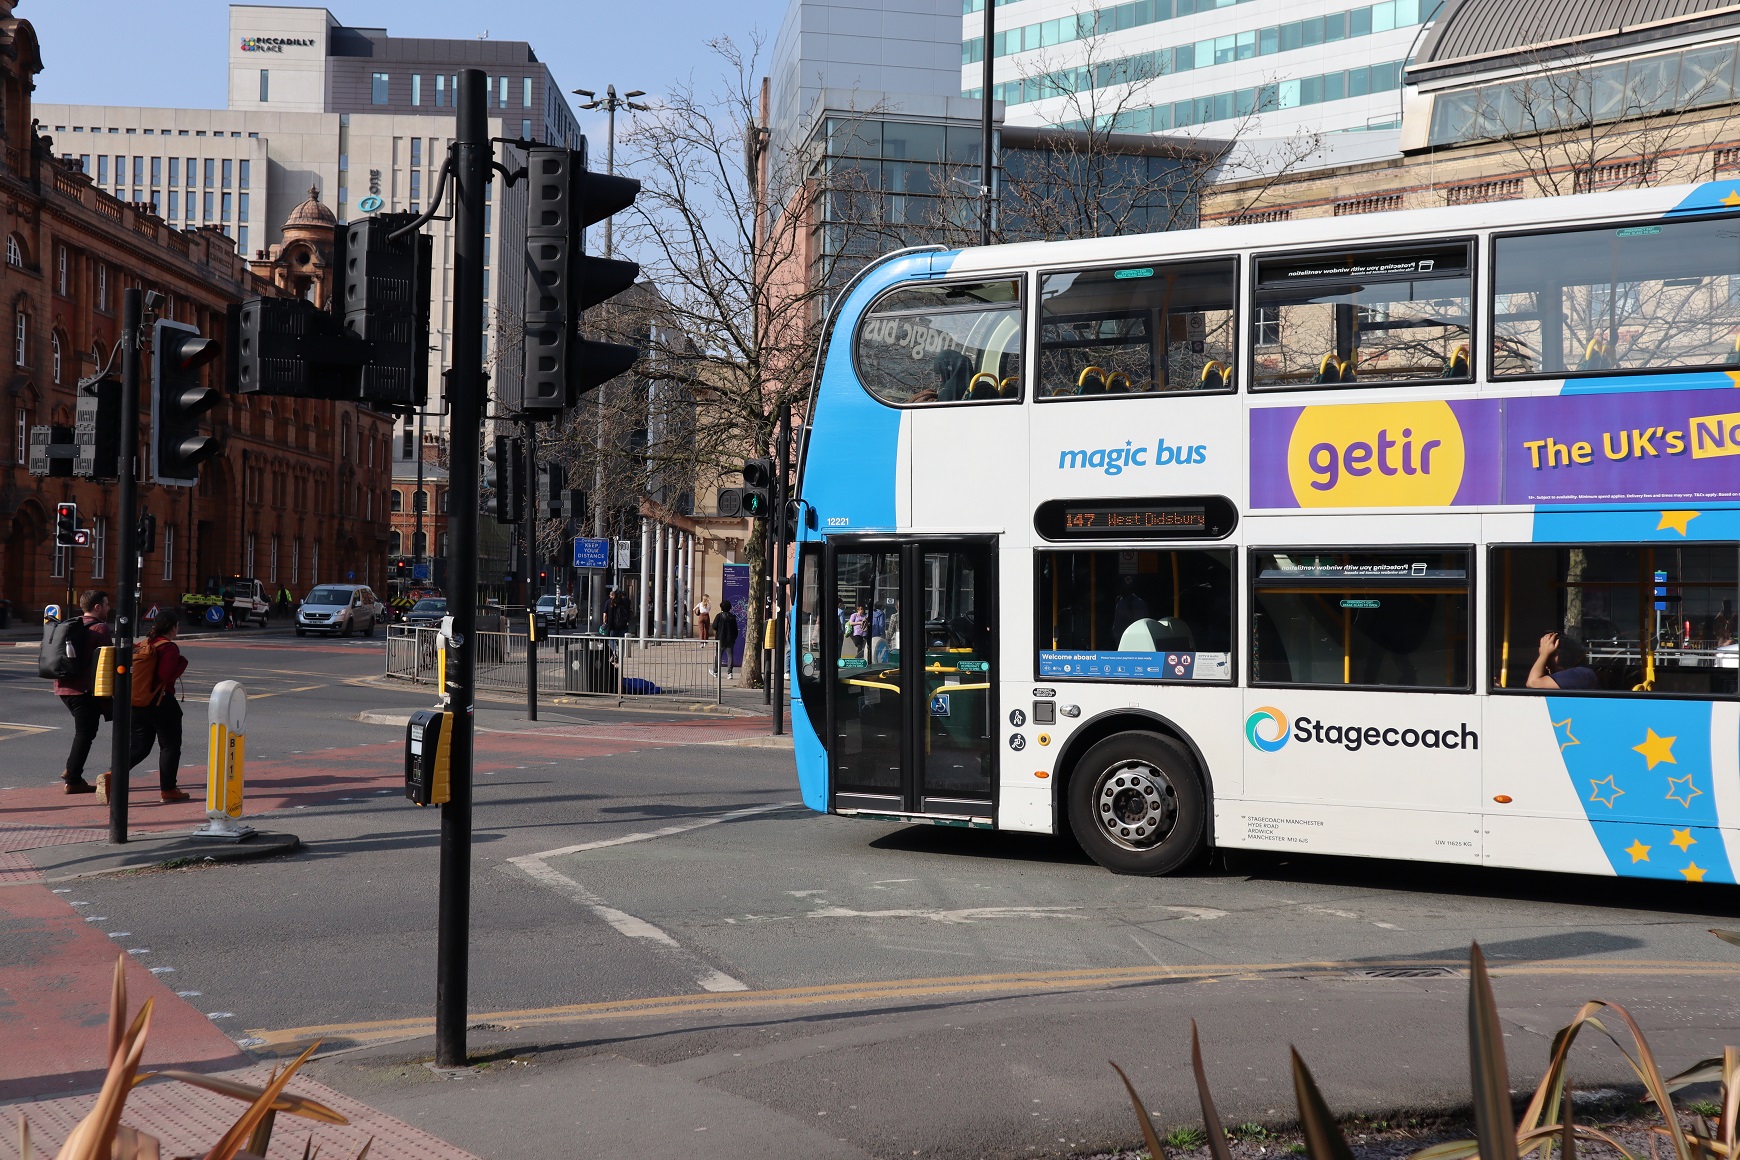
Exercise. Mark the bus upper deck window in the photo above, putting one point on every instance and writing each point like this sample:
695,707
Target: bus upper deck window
1614,298
1364,316
1137,329
943,342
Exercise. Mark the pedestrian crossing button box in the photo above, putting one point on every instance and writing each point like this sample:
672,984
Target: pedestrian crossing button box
428,746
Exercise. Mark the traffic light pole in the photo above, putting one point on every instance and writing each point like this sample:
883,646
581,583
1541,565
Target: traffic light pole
782,534
531,533
127,611
466,398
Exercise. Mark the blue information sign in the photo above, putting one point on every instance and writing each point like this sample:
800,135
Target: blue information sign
591,553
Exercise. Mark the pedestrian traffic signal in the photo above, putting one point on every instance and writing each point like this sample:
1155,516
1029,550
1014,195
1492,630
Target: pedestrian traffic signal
178,399
553,490
573,504
97,430
757,499
66,524
562,199
505,475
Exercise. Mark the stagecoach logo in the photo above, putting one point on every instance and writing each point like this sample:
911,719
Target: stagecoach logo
1269,716
1268,729
273,43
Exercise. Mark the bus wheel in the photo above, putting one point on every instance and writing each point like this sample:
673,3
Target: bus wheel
1136,804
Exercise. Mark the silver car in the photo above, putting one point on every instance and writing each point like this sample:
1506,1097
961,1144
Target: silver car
338,609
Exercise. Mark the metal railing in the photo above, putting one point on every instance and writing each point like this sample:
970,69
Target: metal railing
571,664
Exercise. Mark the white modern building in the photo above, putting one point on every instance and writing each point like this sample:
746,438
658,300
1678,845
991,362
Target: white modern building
363,117
1199,66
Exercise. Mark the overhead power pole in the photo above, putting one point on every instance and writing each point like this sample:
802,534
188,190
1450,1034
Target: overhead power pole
466,395
987,82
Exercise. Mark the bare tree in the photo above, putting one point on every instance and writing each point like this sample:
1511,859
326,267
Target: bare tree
730,232
1094,171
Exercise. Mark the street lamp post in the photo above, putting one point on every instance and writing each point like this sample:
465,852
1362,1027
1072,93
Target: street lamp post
609,102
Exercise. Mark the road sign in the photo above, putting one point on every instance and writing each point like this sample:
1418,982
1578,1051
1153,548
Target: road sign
419,571
624,553
591,553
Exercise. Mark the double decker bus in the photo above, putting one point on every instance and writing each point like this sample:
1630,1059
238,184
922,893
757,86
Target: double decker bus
1410,535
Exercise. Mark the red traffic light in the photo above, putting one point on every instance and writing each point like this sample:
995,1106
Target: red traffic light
66,511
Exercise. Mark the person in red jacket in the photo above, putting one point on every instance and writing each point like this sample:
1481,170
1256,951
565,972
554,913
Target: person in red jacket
156,712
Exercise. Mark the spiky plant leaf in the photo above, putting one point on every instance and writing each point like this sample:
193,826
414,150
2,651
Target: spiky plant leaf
117,1007
1217,1142
1727,936
261,1139
1489,1076
370,1143
90,1138
1450,1150
1654,1084
1149,1136
1567,1129
1323,1139
286,1102
1703,1071
230,1143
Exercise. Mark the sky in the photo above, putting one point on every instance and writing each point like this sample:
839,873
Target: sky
173,55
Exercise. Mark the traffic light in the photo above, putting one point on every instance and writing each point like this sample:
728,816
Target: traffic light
66,525
97,430
506,477
289,347
51,450
385,302
145,541
562,199
573,504
178,399
553,489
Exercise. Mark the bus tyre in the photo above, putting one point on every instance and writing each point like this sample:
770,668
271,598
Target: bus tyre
1136,804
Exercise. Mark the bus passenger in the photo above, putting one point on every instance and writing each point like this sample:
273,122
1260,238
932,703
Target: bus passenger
1563,663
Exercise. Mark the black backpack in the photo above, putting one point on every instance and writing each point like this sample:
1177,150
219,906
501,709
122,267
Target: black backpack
66,650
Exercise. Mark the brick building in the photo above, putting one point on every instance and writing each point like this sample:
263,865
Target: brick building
299,493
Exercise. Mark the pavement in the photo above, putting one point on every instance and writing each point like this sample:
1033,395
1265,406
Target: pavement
668,956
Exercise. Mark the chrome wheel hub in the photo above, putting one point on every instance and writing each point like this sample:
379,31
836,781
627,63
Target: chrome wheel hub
1136,805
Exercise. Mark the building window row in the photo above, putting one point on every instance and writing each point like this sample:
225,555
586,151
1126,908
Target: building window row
164,132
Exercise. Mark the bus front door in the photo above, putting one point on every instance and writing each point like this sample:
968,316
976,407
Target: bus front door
913,707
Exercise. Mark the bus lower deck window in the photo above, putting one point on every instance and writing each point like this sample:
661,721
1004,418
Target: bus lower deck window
1396,618
1363,316
1135,614
1616,618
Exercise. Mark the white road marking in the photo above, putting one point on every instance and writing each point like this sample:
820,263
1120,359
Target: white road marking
535,867
1197,913
965,915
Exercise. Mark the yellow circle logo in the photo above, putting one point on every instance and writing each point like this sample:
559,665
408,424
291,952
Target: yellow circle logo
1376,455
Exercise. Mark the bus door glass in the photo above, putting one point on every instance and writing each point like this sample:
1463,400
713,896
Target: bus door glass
869,710
959,736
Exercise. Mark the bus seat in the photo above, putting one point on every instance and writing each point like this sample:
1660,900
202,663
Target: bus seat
1457,367
1216,375
953,371
1010,388
983,386
1167,634
1118,383
1328,369
1596,355
1091,381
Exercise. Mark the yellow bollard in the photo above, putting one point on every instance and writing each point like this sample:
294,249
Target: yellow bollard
225,761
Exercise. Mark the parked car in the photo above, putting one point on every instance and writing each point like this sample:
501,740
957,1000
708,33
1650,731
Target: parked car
558,611
338,609
427,612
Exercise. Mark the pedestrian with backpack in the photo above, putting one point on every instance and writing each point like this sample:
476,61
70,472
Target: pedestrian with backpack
725,631
69,656
157,665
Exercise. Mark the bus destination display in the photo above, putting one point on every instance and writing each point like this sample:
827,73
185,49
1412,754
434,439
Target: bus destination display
1186,521
1124,517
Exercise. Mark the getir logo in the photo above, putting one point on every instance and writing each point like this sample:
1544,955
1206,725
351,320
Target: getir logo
1254,728
1376,455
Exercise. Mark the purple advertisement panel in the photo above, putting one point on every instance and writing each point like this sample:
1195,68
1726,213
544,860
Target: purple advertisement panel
735,588
1411,453
1649,447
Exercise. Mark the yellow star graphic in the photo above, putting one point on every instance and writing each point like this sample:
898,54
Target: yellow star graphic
1692,791
1677,521
1569,738
1683,839
1693,872
1613,791
1733,198
1638,851
1656,749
